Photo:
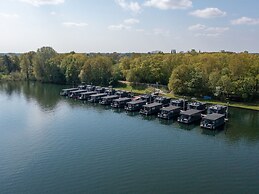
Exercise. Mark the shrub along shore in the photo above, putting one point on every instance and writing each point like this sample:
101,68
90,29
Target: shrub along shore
224,76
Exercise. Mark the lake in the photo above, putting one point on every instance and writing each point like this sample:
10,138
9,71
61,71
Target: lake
51,144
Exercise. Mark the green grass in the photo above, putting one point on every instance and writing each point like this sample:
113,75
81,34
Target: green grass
144,90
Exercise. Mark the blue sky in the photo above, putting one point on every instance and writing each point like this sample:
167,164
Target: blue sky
129,25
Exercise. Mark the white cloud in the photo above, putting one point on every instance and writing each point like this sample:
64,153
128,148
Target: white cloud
208,13
53,13
74,24
119,27
140,30
7,15
131,21
43,2
126,25
169,4
197,27
130,6
161,32
202,30
245,21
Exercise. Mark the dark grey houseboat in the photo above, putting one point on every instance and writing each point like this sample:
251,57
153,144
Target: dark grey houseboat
149,98
219,109
122,93
135,105
163,100
197,106
213,121
109,91
180,103
107,100
150,109
100,89
66,92
86,95
95,98
120,102
169,112
189,116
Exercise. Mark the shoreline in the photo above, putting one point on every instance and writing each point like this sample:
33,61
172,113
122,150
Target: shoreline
243,105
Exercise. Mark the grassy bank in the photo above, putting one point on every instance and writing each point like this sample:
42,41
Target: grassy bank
144,90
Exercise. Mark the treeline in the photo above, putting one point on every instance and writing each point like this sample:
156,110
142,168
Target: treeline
222,75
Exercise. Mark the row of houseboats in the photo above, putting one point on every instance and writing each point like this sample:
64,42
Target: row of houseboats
210,117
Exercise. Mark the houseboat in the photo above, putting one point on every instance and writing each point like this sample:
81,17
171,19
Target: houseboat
107,100
90,88
150,109
109,91
197,106
66,92
219,109
149,98
135,105
75,94
212,121
189,116
86,95
169,112
182,103
122,93
120,102
163,100
95,98
100,89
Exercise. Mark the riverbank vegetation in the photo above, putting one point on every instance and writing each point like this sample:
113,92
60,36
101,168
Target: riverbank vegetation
222,75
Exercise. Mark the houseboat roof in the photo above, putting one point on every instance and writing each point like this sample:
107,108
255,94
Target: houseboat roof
110,97
213,116
96,95
190,112
70,89
93,92
170,108
78,91
217,107
179,100
137,102
122,99
154,104
196,103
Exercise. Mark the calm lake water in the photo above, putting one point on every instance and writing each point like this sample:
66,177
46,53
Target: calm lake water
50,144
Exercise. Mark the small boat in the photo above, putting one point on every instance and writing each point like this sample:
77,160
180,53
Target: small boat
150,109
66,92
169,112
135,105
189,116
120,102
180,103
212,121
107,100
95,98
86,95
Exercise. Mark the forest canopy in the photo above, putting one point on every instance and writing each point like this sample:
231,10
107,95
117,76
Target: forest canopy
220,74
